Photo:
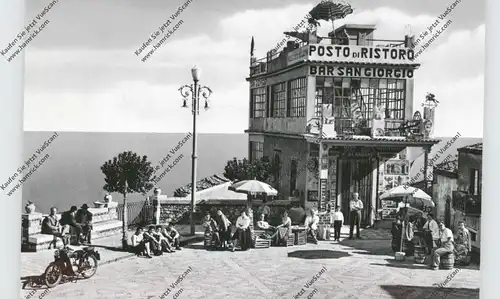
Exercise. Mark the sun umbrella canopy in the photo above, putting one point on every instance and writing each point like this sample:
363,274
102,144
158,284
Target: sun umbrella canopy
331,10
253,187
413,195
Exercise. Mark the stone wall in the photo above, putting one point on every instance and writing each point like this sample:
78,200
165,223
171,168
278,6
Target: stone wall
444,184
177,210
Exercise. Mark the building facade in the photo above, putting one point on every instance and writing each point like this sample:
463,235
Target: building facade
337,115
445,177
467,199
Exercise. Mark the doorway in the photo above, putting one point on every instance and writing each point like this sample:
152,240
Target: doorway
356,177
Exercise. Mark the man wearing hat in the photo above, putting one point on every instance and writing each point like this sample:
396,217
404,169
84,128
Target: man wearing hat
68,221
84,218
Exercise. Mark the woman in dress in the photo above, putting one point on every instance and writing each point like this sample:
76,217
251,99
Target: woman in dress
242,232
224,228
283,230
462,244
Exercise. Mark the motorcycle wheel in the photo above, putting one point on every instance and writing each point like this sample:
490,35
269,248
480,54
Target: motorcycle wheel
53,275
89,266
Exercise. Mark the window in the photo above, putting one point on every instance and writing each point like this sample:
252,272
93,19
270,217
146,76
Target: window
360,94
474,183
293,176
278,100
258,98
256,150
297,98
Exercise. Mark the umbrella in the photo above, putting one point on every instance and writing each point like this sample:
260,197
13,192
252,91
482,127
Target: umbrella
409,194
331,11
253,187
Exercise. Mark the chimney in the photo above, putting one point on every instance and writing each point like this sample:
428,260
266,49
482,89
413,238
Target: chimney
410,41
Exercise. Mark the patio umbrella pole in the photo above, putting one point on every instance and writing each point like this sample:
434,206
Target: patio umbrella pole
403,227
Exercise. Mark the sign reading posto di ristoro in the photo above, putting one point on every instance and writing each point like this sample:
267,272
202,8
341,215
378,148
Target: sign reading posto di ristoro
360,72
360,54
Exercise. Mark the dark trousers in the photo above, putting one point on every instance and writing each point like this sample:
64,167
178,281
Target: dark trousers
87,233
354,219
337,225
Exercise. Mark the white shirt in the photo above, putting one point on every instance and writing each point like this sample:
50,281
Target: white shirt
312,221
433,227
243,222
337,216
136,239
356,205
263,224
445,234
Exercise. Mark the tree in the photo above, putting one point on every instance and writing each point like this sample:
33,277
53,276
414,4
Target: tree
261,170
124,174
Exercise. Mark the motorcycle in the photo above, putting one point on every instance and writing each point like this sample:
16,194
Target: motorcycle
71,263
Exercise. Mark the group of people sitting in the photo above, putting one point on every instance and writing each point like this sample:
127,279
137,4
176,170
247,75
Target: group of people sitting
281,232
77,221
437,239
220,229
155,240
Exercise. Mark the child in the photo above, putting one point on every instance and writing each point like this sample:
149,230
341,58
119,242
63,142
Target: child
338,220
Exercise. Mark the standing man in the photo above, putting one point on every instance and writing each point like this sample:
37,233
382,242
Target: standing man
338,221
445,245
264,210
355,207
431,233
84,217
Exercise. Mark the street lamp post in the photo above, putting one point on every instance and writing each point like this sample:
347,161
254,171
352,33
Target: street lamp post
194,90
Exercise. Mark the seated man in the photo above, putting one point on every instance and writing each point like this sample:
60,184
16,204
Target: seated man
84,218
444,245
173,236
51,226
311,224
212,230
154,244
140,246
263,224
160,237
68,222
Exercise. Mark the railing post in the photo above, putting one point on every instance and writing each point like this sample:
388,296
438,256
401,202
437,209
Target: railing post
157,209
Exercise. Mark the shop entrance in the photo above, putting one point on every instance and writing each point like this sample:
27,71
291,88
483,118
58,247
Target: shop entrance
356,177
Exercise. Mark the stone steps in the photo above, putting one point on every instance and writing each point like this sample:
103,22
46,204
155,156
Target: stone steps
100,230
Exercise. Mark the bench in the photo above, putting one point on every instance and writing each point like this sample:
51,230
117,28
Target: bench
103,226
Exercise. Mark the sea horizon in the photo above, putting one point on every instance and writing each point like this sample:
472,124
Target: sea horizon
72,176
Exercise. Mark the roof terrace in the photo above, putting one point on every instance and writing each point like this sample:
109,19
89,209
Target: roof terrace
350,43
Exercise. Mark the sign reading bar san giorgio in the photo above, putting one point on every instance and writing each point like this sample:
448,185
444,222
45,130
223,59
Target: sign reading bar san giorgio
361,54
360,72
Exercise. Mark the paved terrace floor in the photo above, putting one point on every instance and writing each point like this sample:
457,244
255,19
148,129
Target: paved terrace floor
354,269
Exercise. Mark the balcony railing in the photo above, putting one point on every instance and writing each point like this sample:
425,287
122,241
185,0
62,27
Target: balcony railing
345,127
277,60
138,213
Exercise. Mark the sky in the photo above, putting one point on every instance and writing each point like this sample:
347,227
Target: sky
82,73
